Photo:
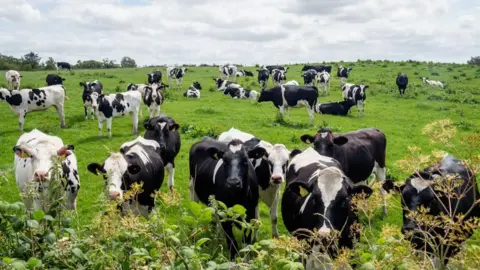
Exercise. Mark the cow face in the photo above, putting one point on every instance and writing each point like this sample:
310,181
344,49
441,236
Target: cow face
277,161
159,129
197,85
4,94
324,141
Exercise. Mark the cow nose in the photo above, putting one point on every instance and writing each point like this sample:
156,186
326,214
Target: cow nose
234,183
94,106
40,175
114,195
324,232
277,179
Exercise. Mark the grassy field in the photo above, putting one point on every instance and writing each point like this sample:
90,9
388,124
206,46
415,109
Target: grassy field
400,118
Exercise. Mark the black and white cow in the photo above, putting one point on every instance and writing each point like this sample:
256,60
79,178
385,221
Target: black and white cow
318,197
343,72
136,87
33,157
335,108
176,73
117,105
154,77
431,82
225,171
273,67
402,82
193,91
244,73
319,68
356,93
263,75
286,96
138,162
13,79
53,79
426,188
228,71
63,65
164,130
91,92
153,98
236,91
223,84
25,101
323,80
310,77
359,152
278,76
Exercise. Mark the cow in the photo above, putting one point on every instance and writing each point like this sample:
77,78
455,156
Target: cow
318,197
25,101
153,98
263,75
177,74
164,130
273,67
286,96
431,82
117,105
343,72
359,152
310,77
292,82
402,82
138,162
225,171
236,91
244,73
228,71
33,161
63,65
319,68
140,87
13,79
91,92
323,78
335,108
223,84
193,91
154,77
278,76
53,79
427,188
356,93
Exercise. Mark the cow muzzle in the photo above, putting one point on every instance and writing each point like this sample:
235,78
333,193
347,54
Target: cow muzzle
114,195
324,232
234,183
40,176
276,179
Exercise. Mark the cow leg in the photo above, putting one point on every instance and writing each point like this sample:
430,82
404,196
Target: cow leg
100,126
257,216
311,111
274,213
282,111
109,126
380,174
140,110
61,114
134,115
171,173
21,120
86,112
231,242
358,108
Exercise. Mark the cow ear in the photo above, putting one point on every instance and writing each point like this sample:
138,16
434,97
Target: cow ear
81,83
300,189
174,127
390,185
215,153
294,153
63,79
22,153
95,168
361,189
257,152
133,169
340,140
307,138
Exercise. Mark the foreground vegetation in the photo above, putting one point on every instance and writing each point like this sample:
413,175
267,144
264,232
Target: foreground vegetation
181,233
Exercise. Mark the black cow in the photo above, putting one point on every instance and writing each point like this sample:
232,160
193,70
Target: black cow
359,152
53,79
427,188
164,130
91,92
225,171
317,196
295,96
154,77
310,77
263,75
279,76
273,67
64,65
244,73
335,108
143,166
402,82
319,68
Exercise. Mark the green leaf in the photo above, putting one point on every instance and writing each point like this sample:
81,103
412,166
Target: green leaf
79,253
38,215
31,223
51,238
188,220
48,218
34,262
175,239
18,265
222,205
3,207
49,254
206,216
194,208
7,260
200,242
239,209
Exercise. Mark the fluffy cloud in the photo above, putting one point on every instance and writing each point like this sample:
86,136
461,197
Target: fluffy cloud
248,31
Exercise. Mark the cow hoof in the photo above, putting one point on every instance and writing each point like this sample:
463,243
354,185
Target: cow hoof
172,190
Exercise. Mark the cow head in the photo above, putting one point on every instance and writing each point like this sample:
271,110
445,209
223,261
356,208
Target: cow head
324,141
41,158
277,160
4,94
159,129
132,87
197,85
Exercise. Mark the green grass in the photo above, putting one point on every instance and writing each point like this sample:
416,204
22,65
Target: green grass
400,118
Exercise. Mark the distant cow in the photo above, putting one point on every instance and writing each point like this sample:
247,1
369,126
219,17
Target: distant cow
323,80
343,73
286,96
193,91
225,171
236,91
356,93
427,189
38,99
263,75
431,82
278,76
63,65
154,77
292,82
244,73
310,77
91,92
223,84
153,98
335,108
319,68
13,79
176,73
273,67
53,79
402,82
137,163
228,71
359,152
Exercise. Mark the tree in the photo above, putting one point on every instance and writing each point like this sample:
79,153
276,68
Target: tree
50,63
128,62
107,63
31,60
474,60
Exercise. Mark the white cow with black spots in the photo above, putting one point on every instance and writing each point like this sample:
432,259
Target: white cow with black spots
228,71
13,79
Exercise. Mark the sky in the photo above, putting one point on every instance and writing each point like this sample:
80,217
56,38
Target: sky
155,32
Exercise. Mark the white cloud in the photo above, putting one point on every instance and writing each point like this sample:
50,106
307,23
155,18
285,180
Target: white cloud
248,31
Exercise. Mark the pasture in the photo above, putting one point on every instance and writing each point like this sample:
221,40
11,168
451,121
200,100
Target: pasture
400,118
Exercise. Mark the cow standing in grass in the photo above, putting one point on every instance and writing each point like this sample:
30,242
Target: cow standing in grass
13,79
91,92
402,82
228,71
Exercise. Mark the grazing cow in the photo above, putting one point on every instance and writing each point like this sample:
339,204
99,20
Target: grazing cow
244,73
319,68
427,188
343,72
13,79
193,91
63,65
228,71
53,79
164,131
323,78
225,171
335,108
138,162
33,161
38,99
91,92
310,77
177,74
359,152
273,67
117,105
402,82
357,94
292,82
278,76
153,98
223,84
236,91
154,77
286,96
263,75
431,82
318,197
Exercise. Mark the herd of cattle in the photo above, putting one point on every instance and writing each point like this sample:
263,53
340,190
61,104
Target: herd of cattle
237,167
